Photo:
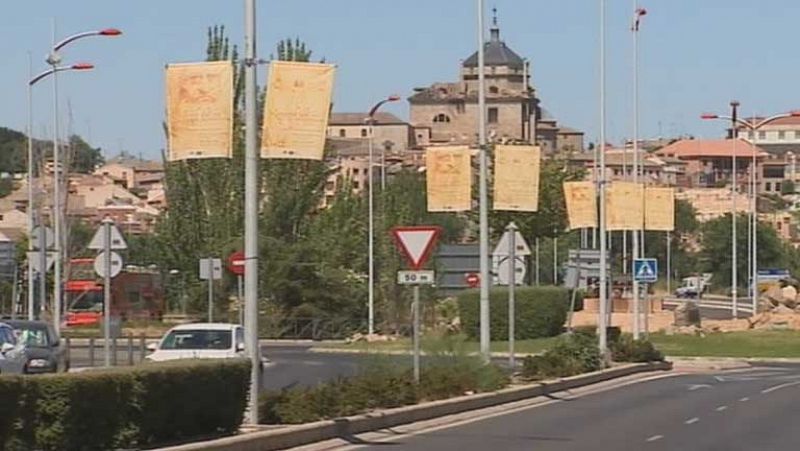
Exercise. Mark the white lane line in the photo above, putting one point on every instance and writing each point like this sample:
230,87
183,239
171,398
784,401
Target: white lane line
721,408
655,438
692,420
745,399
778,387
698,387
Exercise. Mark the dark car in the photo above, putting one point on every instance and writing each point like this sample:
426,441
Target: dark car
45,352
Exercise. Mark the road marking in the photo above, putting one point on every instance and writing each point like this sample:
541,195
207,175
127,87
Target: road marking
692,420
698,387
745,399
778,387
655,438
721,408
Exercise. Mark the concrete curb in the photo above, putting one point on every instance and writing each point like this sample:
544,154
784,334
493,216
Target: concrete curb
324,350
292,436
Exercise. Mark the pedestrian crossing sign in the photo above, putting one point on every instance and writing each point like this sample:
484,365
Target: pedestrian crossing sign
645,270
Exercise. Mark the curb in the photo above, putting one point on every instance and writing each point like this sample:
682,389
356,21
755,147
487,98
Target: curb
324,350
292,436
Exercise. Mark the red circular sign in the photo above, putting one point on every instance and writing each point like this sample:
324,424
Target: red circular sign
473,280
236,263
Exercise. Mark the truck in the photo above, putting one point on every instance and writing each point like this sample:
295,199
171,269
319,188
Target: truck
136,293
693,287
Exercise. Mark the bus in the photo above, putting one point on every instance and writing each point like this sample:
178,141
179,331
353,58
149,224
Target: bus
136,293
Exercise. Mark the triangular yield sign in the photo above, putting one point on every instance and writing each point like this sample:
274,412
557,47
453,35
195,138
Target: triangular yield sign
98,241
416,243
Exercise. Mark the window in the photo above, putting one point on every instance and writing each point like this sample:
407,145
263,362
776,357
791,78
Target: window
768,186
355,184
493,114
239,338
342,133
363,132
777,187
441,117
460,108
355,171
797,134
750,134
762,135
781,135
197,339
494,90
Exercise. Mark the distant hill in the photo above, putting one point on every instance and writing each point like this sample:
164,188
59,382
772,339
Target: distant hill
14,145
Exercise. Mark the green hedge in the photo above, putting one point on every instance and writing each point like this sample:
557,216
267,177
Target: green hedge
125,408
540,312
379,386
572,354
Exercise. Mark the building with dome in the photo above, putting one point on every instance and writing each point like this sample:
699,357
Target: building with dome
447,112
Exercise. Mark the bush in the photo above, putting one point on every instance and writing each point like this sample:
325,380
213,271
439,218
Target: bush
380,385
626,349
572,354
124,407
540,312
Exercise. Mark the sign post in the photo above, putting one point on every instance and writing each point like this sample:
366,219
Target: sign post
512,284
416,245
236,266
645,271
211,270
107,265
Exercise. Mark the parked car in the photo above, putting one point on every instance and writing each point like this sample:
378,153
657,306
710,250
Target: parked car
201,341
46,354
12,353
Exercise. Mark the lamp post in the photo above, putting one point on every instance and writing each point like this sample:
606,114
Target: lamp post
31,220
54,60
753,126
483,201
371,195
637,18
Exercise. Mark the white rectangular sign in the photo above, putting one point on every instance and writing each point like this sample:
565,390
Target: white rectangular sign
424,277
216,268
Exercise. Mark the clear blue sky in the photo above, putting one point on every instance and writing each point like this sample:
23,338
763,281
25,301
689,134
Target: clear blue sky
690,61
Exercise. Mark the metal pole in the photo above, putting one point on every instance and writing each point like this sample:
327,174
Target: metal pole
754,228
636,164
383,165
371,239
536,278
416,333
210,290
251,210
602,183
555,260
734,192
42,265
484,202
512,284
669,262
107,289
240,295
31,313
57,198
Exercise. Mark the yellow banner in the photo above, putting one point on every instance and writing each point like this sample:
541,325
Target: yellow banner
200,110
659,211
516,178
581,201
297,110
449,178
624,206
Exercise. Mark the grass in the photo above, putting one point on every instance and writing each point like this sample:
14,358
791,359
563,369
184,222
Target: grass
752,344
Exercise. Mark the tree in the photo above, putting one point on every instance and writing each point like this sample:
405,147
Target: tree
83,157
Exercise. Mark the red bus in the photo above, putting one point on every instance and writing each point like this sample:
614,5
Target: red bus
136,293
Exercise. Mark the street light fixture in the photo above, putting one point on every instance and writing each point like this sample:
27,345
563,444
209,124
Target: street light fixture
371,288
54,60
638,235
754,127
31,220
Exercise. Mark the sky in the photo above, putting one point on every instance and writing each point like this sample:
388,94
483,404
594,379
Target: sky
696,56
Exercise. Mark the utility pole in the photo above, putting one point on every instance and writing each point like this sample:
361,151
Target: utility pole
483,192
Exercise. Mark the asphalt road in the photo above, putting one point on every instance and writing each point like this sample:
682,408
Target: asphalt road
755,409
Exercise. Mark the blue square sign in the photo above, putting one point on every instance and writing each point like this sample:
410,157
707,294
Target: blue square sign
645,270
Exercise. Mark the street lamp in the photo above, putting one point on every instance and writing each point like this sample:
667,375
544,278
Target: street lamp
637,18
753,127
31,220
54,60
371,288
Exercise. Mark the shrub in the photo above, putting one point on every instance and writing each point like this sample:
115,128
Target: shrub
380,385
540,312
124,407
626,349
572,354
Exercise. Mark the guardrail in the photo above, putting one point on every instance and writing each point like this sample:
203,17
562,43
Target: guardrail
717,302
90,352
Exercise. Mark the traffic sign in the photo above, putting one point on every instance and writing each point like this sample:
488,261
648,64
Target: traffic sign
35,259
416,243
645,270
519,271
216,268
48,237
98,241
423,277
473,279
100,264
522,248
236,263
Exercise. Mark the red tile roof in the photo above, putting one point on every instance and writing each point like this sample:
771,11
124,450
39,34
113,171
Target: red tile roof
696,148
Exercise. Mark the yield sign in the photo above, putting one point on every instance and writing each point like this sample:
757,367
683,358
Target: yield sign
416,243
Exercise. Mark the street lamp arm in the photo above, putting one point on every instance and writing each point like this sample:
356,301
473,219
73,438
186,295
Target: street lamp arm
85,34
749,125
371,116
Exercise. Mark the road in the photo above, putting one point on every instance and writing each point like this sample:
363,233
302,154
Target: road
754,409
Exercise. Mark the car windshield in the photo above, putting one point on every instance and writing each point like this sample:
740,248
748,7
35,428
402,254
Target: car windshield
33,338
7,336
197,339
